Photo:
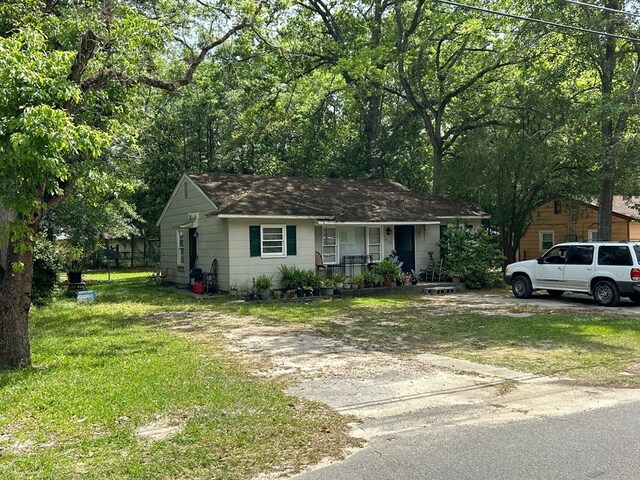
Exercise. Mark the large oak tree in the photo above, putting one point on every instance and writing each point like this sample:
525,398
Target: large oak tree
72,74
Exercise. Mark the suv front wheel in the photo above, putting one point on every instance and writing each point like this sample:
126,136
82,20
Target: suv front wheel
521,287
606,293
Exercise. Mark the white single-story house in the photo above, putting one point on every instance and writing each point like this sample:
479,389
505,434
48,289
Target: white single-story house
251,225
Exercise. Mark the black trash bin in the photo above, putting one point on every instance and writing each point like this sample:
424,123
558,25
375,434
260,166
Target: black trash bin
195,275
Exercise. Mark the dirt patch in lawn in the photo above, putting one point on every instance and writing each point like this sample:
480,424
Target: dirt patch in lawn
391,388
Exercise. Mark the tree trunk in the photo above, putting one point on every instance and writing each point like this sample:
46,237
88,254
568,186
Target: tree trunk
15,302
608,165
437,168
372,118
605,209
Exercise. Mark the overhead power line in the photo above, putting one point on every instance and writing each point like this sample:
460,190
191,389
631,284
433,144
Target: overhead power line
537,20
599,7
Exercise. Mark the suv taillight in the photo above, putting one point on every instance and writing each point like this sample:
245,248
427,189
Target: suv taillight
635,274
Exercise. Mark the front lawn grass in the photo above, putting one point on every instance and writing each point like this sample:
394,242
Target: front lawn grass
102,372
594,349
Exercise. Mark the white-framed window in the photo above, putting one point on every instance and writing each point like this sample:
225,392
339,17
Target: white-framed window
374,243
180,246
546,239
592,234
329,245
274,240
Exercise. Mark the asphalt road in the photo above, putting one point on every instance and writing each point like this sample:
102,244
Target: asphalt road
598,444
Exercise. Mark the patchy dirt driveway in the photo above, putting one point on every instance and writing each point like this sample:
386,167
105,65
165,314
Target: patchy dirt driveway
391,391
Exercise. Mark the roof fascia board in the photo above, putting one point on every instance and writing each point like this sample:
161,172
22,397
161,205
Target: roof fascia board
468,217
175,191
390,222
267,217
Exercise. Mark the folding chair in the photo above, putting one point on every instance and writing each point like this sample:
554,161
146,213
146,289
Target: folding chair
158,276
320,267
211,278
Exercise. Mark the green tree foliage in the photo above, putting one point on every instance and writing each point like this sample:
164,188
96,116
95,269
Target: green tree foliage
46,266
447,61
525,159
473,255
609,69
72,80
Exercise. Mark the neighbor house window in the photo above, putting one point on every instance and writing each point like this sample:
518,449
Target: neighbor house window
329,245
272,240
547,239
180,247
374,243
592,234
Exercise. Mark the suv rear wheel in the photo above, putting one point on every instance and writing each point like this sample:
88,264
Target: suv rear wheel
606,293
521,287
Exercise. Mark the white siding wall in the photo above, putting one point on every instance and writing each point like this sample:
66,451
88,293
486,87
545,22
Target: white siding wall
427,238
387,244
178,214
243,268
213,243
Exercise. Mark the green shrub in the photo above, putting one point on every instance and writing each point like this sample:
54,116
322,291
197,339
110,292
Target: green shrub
310,278
386,269
372,279
473,255
46,264
338,277
290,275
264,281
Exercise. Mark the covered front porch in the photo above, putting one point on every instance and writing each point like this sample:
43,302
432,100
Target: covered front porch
352,248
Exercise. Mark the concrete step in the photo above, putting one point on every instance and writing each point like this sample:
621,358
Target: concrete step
439,290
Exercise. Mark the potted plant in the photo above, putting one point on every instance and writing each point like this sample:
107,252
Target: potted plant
388,270
326,287
72,262
306,282
357,280
372,279
338,280
263,284
290,276
313,280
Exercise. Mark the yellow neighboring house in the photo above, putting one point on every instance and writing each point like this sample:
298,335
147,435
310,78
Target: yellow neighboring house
567,220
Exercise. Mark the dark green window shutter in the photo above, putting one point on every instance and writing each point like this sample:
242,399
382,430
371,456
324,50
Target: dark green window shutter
292,241
254,240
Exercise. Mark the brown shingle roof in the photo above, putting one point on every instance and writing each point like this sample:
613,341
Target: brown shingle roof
624,206
339,199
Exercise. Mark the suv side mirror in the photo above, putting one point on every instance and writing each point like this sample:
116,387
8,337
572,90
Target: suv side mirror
540,260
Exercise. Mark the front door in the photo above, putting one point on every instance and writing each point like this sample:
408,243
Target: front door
405,246
193,252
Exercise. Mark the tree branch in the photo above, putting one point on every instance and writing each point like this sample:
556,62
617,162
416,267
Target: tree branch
107,74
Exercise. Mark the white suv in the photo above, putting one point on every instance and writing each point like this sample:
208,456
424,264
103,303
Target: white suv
606,270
